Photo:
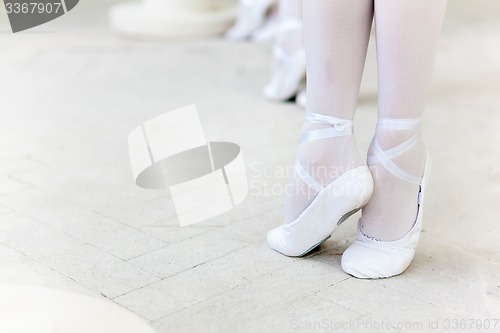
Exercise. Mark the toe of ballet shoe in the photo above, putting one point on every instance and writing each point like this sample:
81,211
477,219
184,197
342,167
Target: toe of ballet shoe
364,262
274,239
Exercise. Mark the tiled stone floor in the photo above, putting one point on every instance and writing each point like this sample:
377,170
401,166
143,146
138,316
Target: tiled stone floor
71,217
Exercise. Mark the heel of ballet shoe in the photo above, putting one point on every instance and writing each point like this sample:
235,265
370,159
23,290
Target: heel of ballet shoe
331,207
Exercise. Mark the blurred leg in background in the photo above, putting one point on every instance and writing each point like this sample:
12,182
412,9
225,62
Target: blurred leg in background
289,67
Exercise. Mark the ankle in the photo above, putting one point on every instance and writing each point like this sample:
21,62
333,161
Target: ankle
407,152
329,159
412,160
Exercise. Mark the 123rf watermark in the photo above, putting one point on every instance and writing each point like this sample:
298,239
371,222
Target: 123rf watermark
26,14
442,324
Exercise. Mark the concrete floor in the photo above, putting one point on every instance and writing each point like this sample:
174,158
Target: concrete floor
72,218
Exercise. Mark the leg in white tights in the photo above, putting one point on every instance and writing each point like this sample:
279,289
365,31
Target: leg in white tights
406,33
336,40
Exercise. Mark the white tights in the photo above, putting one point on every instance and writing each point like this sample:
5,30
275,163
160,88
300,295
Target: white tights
336,39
